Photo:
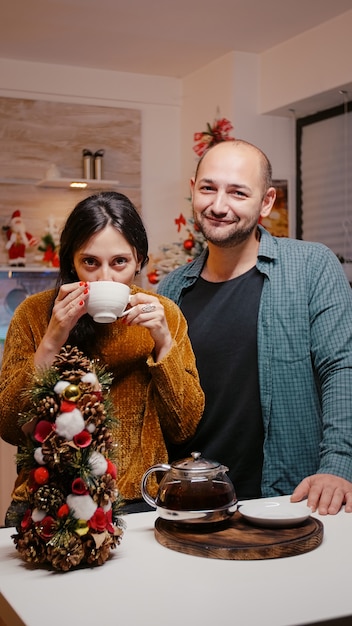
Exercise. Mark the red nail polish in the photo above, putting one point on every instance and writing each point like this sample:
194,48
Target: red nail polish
81,283
86,291
81,303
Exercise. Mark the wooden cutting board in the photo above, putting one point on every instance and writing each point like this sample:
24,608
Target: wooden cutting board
240,540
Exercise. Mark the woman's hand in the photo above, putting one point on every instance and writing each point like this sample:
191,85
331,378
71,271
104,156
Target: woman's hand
69,306
148,311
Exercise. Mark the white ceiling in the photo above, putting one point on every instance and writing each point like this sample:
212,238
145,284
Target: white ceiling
159,37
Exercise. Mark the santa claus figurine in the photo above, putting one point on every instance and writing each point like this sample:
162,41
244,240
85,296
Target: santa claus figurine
18,240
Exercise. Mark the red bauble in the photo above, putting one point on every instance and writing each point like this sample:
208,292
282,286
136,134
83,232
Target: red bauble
153,278
41,475
188,244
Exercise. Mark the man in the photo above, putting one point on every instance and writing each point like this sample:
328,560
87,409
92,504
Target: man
270,320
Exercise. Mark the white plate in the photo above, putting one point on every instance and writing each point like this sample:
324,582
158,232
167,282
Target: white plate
273,513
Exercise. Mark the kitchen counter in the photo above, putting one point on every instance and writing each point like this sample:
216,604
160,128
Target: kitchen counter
147,584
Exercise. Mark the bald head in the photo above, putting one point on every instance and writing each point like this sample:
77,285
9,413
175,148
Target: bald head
254,154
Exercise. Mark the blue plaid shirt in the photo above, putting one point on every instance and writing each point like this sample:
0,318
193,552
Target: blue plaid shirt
304,359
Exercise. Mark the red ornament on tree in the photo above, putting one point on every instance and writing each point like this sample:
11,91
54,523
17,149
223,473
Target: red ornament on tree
41,475
188,243
153,278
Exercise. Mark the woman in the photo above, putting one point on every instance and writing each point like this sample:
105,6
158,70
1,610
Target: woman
155,389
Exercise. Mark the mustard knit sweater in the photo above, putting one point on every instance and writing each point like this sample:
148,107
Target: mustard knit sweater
150,399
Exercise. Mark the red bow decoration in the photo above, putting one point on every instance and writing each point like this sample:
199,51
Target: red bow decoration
214,134
179,221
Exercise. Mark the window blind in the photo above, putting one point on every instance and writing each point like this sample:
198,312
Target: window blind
324,179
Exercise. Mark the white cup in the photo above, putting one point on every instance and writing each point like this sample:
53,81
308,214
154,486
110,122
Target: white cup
107,300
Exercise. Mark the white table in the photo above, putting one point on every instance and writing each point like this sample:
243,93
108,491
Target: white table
146,584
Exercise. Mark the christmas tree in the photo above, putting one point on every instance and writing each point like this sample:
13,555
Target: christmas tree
69,455
178,253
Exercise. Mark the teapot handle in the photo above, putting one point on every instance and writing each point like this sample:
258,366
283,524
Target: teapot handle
161,467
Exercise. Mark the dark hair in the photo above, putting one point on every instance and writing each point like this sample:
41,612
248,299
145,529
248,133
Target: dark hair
89,217
92,215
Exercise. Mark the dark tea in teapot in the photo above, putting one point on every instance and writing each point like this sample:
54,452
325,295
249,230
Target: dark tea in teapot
193,490
196,495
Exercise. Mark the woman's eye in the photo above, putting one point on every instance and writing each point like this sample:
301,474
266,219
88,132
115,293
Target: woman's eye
120,261
89,261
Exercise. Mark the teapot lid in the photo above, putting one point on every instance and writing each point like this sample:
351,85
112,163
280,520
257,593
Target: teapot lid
196,463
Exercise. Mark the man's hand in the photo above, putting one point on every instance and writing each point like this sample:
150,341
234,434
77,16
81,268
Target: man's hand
325,493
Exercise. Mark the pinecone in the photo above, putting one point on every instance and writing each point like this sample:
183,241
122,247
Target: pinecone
86,388
72,364
48,498
104,439
63,557
57,453
30,547
47,408
93,410
97,554
106,490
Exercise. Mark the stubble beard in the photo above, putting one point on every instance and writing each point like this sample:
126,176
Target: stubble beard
232,236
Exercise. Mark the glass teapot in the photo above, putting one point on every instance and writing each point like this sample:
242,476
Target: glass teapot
193,490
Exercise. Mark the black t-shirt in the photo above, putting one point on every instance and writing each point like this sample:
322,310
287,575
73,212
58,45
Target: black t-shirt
222,320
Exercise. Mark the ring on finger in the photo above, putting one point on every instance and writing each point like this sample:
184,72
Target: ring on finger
148,308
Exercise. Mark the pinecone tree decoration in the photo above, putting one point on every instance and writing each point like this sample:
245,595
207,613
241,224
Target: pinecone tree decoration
73,501
47,406
31,547
72,364
48,498
67,555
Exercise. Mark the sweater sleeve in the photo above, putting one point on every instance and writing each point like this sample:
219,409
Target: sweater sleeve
175,389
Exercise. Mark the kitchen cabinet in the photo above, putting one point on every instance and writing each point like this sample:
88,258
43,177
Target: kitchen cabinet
16,283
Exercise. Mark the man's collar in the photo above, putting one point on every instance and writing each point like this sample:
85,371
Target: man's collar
268,245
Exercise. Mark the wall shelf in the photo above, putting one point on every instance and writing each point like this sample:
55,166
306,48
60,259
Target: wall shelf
18,181
67,183
10,270
64,183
